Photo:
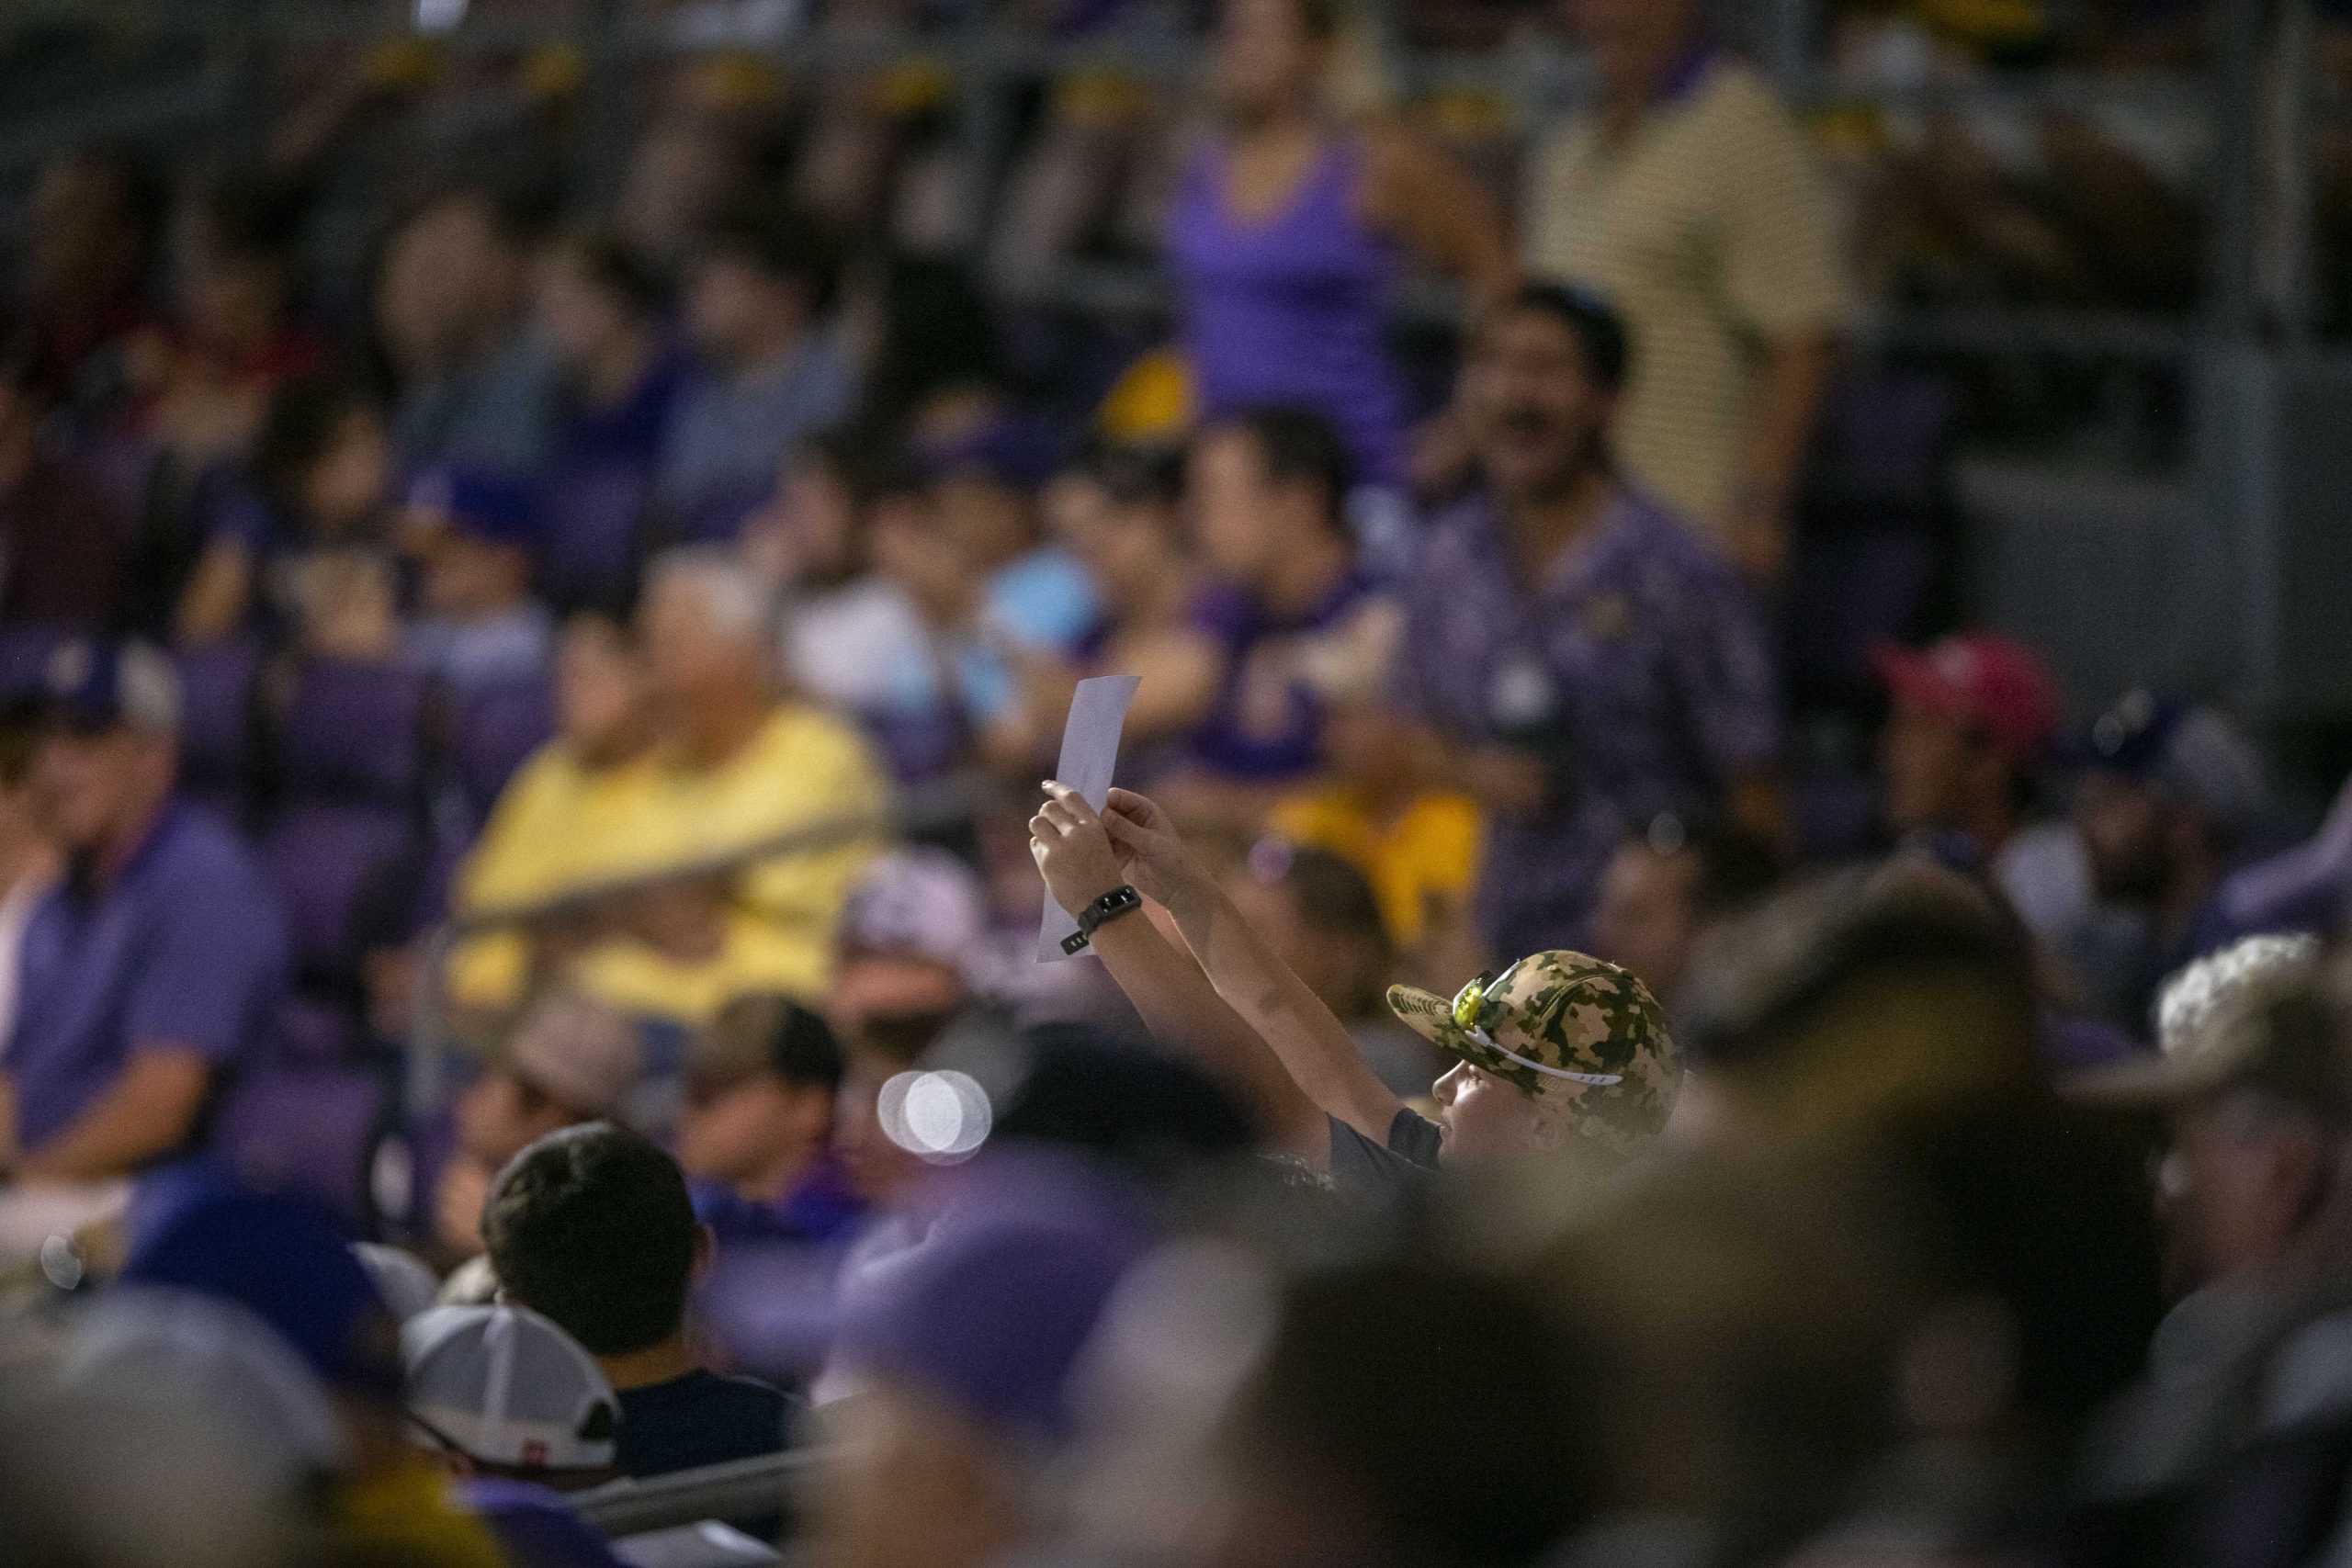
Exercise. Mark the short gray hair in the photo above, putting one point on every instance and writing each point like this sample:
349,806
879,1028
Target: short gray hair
2232,983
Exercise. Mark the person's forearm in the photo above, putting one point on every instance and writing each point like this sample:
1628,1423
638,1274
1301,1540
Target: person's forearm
150,1111
1782,415
1180,1008
1313,1046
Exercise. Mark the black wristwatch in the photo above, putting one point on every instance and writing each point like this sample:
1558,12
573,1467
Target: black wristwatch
1102,912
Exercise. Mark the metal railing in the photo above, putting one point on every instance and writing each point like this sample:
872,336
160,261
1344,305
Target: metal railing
745,1488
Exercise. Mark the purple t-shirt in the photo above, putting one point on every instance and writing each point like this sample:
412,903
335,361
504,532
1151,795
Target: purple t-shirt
1266,725
1637,666
186,947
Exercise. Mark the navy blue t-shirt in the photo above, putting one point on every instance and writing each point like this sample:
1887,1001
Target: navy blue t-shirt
699,1420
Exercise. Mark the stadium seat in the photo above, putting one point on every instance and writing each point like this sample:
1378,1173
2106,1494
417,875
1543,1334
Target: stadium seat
497,727
217,720
335,865
308,1129
355,732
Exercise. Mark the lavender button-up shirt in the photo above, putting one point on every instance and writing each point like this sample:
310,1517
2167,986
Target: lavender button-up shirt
1636,666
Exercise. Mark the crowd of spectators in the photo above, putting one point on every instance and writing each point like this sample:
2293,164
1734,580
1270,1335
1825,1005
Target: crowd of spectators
521,839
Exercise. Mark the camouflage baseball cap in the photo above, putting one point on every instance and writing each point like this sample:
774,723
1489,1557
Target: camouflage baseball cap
1556,1018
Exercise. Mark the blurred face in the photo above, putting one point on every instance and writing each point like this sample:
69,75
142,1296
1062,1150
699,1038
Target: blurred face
439,284
599,687
1644,919
2239,1184
1535,419
989,520
231,299
1924,754
1329,970
880,1170
913,551
735,1133
91,790
2122,827
1632,39
498,1115
1126,548
732,308
1265,59
689,655
820,515
1483,1117
916,1484
346,485
583,321
465,576
1234,509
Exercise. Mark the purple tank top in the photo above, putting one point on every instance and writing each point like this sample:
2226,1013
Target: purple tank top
1293,308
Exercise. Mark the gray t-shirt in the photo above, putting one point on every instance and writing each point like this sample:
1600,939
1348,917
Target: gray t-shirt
1385,1174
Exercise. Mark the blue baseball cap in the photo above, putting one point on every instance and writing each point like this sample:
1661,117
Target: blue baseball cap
97,685
481,504
281,1260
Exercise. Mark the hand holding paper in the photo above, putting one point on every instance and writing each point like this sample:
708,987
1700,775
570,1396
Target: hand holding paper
1090,753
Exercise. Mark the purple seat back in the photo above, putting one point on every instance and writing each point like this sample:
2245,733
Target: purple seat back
327,862
309,1130
217,716
355,732
597,518
497,728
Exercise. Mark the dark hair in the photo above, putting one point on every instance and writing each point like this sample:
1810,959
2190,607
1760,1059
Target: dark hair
1135,475
305,415
19,732
255,217
605,259
1333,896
1600,333
801,1046
780,241
1736,870
1319,19
1298,445
593,1228
1487,1374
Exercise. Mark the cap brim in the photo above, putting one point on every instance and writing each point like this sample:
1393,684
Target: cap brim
2147,1083
1430,1016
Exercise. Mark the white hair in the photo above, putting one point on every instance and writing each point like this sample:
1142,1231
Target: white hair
737,602
2238,977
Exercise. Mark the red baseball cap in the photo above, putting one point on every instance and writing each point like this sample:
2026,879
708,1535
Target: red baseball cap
1977,679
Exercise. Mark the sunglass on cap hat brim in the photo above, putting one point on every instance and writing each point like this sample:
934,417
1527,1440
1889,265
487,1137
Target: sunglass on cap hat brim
1471,1013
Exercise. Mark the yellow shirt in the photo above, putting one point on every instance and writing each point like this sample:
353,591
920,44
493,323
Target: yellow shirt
1710,228
559,825
801,767
1428,854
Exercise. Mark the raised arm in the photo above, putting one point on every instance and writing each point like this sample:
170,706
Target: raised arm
1074,854
1313,1047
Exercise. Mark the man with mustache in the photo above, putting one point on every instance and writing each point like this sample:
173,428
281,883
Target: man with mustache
1575,657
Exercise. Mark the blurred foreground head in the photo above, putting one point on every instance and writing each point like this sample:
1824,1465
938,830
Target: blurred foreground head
963,1356
1401,1411
1865,992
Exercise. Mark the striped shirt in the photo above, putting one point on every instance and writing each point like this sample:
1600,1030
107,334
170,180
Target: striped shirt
1710,226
